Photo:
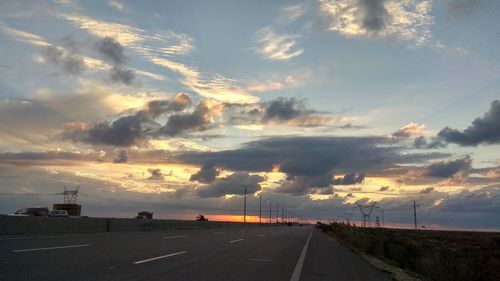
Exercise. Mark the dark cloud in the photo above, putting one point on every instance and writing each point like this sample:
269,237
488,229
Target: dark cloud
121,157
301,185
179,103
285,109
384,188
282,110
206,174
111,49
446,169
426,190
232,184
156,174
350,178
485,130
71,63
422,142
375,15
125,131
310,161
198,120
122,75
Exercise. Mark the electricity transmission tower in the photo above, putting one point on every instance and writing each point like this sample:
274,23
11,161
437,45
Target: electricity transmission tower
366,211
70,196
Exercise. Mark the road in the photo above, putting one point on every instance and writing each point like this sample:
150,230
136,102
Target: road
240,253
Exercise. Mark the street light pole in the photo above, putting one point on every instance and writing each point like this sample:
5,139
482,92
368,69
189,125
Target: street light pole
245,205
260,208
270,214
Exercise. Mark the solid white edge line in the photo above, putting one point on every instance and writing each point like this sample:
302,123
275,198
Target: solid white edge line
300,262
51,248
160,257
172,237
237,240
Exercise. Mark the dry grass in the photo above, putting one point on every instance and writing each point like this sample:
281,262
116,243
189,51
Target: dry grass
434,255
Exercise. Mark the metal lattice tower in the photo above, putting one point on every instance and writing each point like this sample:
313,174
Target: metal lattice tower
70,196
366,211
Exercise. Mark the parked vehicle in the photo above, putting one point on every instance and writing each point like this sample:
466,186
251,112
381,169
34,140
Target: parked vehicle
58,213
201,217
144,215
38,212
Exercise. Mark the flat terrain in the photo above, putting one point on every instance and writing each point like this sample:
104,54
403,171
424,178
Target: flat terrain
434,255
240,253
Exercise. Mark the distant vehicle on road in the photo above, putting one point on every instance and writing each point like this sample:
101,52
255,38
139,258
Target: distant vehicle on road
58,213
144,215
36,212
201,217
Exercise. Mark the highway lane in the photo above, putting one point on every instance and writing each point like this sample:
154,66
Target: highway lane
243,253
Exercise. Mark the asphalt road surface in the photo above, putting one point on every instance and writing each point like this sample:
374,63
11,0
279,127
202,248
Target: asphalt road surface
243,253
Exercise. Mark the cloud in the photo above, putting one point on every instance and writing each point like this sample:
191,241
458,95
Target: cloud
350,178
384,188
116,5
392,19
444,169
292,13
198,120
180,102
125,131
232,184
121,157
426,190
70,63
407,131
158,48
207,174
110,49
282,110
156,174
138,128
277,47
309,162
485,130
422,142
306,184
123,75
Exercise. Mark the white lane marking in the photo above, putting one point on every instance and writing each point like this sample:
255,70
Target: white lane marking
300,262
160,257
237,240
51,248
262,260
262,235
172,237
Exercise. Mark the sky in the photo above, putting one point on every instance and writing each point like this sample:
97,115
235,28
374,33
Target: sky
314,106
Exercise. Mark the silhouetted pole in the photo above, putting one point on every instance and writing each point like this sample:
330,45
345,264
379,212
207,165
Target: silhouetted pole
270,213
415,214
245,206
260,208
277,213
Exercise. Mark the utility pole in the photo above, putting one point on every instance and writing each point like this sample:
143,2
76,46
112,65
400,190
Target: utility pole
260,208
270,213
277,213
415,214
245,205
383,222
